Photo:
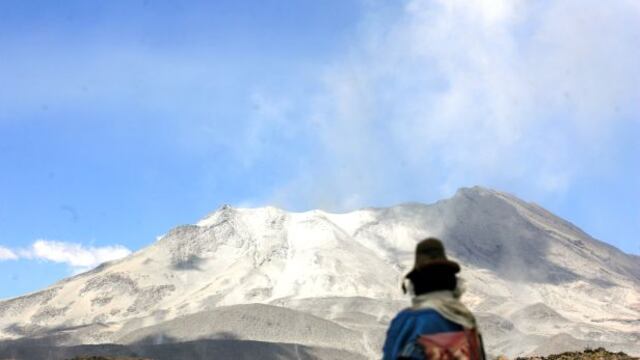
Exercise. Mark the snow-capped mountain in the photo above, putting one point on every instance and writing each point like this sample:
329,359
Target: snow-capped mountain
330,283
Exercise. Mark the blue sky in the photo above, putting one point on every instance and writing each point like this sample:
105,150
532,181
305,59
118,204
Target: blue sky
122,119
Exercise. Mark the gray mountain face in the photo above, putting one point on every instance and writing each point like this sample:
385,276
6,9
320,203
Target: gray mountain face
322,285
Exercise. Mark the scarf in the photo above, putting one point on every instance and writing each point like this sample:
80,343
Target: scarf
448,305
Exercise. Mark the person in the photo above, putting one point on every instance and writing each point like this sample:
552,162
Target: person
437,326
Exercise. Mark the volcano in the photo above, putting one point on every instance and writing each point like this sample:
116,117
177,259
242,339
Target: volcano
275,284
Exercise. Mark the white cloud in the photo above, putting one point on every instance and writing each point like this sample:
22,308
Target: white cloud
7,254
522,94
77,256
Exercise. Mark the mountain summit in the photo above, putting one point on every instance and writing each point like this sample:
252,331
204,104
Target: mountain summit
330,283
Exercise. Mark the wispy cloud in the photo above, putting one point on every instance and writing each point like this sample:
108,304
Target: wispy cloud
77,256
7,254
519,94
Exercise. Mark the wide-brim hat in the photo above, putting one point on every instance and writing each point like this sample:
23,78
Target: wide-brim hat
431,257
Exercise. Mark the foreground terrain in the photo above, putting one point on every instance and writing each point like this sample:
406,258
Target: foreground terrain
588,354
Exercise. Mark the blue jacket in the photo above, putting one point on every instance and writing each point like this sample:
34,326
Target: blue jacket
407,326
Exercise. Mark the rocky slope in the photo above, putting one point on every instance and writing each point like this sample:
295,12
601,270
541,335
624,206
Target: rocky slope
587,354
537,282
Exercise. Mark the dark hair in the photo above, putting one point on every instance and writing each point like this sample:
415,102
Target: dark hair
434,279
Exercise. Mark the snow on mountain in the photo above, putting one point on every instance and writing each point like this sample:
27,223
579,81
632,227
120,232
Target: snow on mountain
333,280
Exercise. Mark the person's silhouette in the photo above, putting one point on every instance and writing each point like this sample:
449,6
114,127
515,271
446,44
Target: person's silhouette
437,325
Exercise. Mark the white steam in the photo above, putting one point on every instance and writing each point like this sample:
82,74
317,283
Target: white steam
520,94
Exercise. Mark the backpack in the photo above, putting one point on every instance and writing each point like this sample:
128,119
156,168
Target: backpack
459,345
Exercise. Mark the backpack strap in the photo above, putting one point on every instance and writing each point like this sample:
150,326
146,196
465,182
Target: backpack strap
476,351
